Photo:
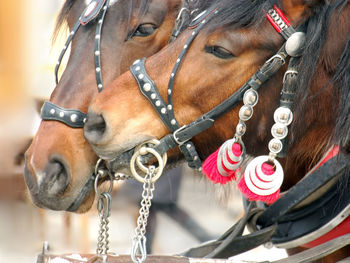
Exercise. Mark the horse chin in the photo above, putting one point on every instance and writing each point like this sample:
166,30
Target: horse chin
85,205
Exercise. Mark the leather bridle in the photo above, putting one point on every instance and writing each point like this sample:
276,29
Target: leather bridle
95,12
181,135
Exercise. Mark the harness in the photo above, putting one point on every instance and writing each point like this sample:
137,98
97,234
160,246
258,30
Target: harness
95,12
279,223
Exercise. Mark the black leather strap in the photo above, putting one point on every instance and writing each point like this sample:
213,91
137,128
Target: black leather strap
70,117
304,188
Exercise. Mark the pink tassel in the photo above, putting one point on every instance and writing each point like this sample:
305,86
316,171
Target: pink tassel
266,190
223,174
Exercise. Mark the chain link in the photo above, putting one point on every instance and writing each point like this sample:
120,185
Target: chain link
138,252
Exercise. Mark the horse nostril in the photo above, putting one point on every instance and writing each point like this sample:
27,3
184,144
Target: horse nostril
94,128
56,179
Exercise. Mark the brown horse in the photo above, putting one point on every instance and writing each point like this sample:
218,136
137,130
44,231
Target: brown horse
222,57
59,161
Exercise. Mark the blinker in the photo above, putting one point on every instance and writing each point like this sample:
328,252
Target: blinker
91,11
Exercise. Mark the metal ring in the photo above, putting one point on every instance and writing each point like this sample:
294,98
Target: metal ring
144,151
111,179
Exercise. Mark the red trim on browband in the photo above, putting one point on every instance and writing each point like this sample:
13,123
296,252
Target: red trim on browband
280,13
273,23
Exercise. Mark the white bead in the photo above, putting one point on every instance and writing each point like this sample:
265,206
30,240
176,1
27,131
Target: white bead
136,62
170,107
185,46
188,146
172,75
158,103
52,111
98,69
97,36
178,60
163,110
153,96
99,86
173,121
137,68
169,91
97,53
61,114
140,76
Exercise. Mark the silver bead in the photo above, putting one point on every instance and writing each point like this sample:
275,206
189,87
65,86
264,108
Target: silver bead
61,114
137,68
173,122
279,131
283,115
98,69
163,110
250,97
136,62
158,103
153,96
245,112
170,107
275,146
241,129
295,44
52,111
140,76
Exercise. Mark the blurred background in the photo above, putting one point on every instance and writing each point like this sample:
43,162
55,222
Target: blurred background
27,62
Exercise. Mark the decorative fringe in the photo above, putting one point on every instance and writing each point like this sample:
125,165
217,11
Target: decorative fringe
222,165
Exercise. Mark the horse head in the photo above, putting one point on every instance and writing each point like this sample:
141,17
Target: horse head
234,43
59,162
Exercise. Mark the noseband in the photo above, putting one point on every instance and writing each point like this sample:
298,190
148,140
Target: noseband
181,135
95,11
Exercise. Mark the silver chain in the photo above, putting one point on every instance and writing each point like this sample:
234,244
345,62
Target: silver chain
138,252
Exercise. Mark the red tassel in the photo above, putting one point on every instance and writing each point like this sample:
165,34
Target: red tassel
266,189
225,173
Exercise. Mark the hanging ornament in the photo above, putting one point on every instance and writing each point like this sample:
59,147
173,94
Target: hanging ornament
222,165
262,180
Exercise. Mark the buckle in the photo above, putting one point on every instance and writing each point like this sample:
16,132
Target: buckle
176,139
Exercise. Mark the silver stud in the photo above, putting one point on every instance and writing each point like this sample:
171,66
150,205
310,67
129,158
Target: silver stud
279,131
245,112
203,21
195,158
61,114
97,53
105,7
283,115
140,76
98,69
241,128
153,96
97,36
169,91
158,103
100,21
188,146
136,62
172,75
100,86
193,33
73,117
178,60
185,46
250,97
275,146
173,122
147,86
52,111
137,68
84,120
170,107
163,110
72,33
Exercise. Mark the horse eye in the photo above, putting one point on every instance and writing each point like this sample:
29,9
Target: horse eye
144,30
219,52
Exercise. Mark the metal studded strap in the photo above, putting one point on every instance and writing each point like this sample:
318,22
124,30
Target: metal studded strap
70,117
